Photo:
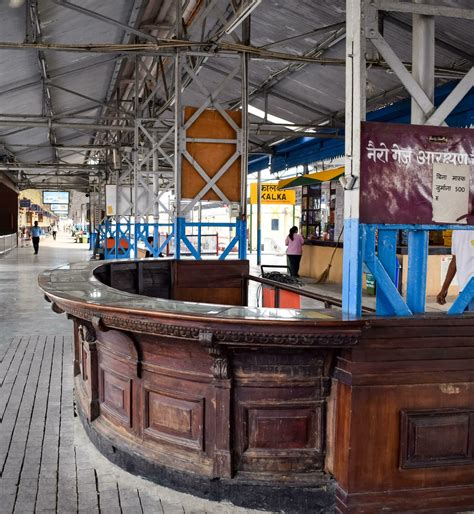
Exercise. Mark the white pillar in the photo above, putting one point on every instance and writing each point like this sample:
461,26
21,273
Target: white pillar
423,60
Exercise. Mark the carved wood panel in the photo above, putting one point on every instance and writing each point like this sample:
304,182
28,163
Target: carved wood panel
439,437
115,396
270,430
174,417
283,428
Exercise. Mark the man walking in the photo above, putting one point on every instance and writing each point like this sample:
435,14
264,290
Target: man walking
35,236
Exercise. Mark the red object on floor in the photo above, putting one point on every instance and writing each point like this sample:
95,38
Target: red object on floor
288,300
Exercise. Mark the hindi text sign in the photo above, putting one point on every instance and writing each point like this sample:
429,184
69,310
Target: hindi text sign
270,194
450,193
413,174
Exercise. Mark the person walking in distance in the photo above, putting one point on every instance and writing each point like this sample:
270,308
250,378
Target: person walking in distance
55,231
35,236
294,242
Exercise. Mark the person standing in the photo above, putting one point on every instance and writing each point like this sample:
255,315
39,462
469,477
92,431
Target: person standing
294,242
35,236
462,264
54,229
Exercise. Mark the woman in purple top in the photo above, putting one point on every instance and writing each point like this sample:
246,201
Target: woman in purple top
295,243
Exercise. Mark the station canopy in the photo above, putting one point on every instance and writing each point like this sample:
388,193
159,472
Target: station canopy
68,72
311,178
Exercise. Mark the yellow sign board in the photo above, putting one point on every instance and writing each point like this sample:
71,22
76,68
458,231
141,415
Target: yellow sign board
271,194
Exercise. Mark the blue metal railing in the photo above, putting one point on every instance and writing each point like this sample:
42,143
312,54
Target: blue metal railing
379,255
122,239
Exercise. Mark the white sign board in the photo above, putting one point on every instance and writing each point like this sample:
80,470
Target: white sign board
119,201
111,200
450,193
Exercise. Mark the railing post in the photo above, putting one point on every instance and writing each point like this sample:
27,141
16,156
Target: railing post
387,254
277,297
417,269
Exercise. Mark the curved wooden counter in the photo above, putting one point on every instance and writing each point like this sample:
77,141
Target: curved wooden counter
227,401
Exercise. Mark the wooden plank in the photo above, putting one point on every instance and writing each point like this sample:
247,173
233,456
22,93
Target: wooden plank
29,476
11,374
9,467
67,486
47,485
8,353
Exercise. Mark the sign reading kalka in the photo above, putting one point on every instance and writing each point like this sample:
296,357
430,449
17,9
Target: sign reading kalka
269,193
412,174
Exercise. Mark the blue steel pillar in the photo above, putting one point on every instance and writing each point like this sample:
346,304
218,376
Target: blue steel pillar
179,228
352,269
417,270
242,234
387,254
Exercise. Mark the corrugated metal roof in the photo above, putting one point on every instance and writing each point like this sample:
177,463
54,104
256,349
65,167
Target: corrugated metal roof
306,94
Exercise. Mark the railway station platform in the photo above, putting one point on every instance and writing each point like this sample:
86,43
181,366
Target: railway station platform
47,463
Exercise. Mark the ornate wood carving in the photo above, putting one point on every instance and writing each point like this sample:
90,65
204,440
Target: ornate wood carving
220,363
222,388
220,368
89,367
87,333
327,338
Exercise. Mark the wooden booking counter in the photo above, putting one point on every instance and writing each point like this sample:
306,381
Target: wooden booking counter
317,254
288,410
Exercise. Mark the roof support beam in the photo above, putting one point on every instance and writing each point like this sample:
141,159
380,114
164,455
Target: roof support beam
425,9
106,19
402,73
49,166
311,33
85,97
451,102
36,36
441,43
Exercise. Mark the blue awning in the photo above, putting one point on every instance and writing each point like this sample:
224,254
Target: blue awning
307,150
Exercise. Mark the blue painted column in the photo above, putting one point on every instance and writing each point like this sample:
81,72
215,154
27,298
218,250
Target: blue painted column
417,269
387,254
199,239
242,232
352,269
179,227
